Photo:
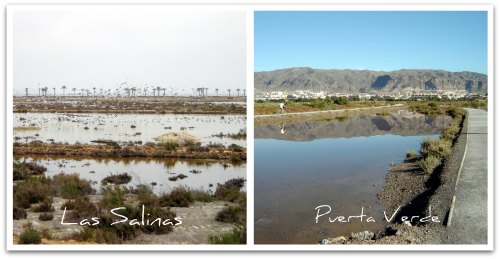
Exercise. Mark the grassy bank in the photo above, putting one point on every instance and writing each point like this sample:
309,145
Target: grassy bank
309,105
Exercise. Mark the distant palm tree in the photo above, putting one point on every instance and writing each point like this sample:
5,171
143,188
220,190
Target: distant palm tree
94,89
54,91
158,90
64,89
229,91
74,90
244,92
238,90
26,91
164,89
216,91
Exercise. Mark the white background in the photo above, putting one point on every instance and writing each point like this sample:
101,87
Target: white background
407,254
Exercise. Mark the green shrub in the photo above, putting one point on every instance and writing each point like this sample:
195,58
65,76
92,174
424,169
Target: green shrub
20,171
202,196
438,148
178,197
79,209
98,235
429,163
238,235
45,216
235,148
70,186
451,132
30,235
170,146
230,190
44,206
32,190
19,212
411,154
112,197
232,214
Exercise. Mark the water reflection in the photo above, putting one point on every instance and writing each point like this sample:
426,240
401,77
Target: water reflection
338,163
408,124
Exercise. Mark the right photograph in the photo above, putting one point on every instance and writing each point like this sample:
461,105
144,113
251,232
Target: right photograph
371,127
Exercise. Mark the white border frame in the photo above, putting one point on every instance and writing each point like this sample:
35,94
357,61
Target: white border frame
249,9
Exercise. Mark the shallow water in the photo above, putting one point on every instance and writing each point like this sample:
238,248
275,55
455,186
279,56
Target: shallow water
301,166
67,127
145,171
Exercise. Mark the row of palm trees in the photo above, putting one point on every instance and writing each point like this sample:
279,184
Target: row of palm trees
129,91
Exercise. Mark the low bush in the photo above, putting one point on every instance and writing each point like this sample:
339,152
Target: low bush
230,190
178,197
32,190
45,216
44,206
79,209
117,179
232,214
238,235
438,148
30,235
202,196
112,197
19,213
170,146
235,148
70,186
429,163
411,154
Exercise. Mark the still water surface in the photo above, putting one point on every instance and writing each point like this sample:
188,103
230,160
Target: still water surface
67,127
339,163
151,172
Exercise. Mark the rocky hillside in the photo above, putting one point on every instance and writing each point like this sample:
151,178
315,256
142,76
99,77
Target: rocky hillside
366,81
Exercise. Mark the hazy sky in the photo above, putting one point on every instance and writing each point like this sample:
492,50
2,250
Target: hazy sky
375,40
105,47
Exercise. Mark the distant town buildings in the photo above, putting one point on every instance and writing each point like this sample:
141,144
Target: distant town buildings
306,94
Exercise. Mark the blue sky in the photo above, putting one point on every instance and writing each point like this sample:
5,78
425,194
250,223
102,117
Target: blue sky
449,40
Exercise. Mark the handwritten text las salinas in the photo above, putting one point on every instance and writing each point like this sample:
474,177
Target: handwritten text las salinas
122,219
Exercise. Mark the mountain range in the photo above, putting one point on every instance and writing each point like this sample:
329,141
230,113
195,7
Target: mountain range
368,81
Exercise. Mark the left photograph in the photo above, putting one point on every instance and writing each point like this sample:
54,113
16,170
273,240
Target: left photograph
128,125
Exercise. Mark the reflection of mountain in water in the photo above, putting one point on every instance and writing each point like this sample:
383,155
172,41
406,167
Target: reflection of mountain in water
364,125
